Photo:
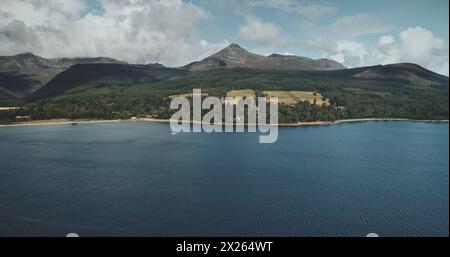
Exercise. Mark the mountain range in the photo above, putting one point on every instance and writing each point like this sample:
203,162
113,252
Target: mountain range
30,76
23,74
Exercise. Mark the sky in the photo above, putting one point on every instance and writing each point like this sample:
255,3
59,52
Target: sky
177,32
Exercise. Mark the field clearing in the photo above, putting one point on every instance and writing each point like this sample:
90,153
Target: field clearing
8,108
187,95
242,93
284,97
310,96
293,97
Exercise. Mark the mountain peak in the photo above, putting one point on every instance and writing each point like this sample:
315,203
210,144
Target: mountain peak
232,49
26,54
234,56
235,46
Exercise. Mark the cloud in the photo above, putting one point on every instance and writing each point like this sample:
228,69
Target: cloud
347,28
16,35
417,45
341,41
420,44
356,25
349,53
136,31
386,40
259,31
309,9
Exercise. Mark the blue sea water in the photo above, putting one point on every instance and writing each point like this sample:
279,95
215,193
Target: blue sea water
137,179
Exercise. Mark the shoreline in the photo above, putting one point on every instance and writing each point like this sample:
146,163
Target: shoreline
300,124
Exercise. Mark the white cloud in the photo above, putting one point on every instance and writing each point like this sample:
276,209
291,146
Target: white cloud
305,8
420,44
136,31
349,53
356,25
341,41
326,37
386,40
287,53
416,45
259,31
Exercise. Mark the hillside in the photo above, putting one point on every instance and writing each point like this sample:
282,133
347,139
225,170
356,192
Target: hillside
23,74
85,76
235,56
389,77
4,94
401,71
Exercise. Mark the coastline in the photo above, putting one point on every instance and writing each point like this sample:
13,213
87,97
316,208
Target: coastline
300,124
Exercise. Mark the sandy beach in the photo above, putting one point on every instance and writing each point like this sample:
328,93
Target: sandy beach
315,123
8,108
57,122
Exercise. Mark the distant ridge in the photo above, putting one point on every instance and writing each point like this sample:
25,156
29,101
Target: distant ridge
105,75
400,71
25,73
234,56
